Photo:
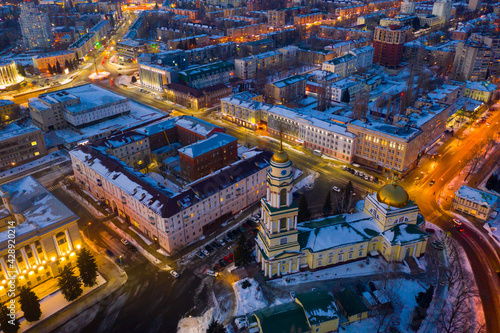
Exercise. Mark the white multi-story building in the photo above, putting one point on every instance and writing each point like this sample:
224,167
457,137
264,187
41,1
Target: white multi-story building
442,8
344,65
326,136
364,56
345,90
173,220
156,76
35,27
78,106
408,7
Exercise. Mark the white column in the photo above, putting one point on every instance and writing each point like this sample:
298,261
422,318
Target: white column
25,257
295,222
266,270
68,238
289,266
56,245
35,253
288,220
4,268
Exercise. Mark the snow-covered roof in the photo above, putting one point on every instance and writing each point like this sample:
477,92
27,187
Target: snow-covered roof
195,125
38,206
17,131
201,147
319,306
480,197
481,86
405,133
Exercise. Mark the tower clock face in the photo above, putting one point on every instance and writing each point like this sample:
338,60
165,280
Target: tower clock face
283,173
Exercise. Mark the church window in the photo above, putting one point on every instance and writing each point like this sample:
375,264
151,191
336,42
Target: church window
360,253
283,197
283,173
320,261
350,255
341,257
283,241
330,260
283,224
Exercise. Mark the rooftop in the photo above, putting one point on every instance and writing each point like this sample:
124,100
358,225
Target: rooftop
17,131
475,195
201,147
319,306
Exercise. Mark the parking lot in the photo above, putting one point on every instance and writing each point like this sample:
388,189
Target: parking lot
214,257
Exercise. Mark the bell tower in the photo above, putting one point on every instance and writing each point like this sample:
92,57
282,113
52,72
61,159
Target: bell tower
277,241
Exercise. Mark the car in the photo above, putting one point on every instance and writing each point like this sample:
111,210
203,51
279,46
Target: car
215,244
336,189
457,222
430,230
110,253
174,274
242,229
431,183
375,179
211,273
366,177
205,252
228,259
344,168
460,228
227,239
209,248
222,263
200,254
124,241
221,241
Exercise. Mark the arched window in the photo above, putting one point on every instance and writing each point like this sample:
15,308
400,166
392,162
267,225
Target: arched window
283,197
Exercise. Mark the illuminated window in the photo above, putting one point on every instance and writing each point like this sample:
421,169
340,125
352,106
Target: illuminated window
37,153
33,143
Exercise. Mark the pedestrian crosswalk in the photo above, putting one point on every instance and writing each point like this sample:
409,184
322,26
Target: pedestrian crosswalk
54,187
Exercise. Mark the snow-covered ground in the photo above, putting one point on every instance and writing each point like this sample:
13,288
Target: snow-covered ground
197,324
53,303
306,181
358,268
249,299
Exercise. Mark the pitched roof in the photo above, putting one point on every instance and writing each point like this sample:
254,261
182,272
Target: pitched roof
319,306
351,302
284,318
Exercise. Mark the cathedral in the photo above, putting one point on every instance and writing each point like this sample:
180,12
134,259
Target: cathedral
388,223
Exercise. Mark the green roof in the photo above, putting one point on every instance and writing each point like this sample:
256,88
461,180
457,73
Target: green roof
284,318
319,306
272,209
351,302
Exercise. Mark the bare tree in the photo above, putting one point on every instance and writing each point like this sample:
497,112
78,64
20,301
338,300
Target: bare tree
459,312
360,105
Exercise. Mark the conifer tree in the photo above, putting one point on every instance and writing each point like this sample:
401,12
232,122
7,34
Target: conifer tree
69,284
87,266
30,304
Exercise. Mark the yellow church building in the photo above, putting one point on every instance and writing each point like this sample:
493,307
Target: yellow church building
389,224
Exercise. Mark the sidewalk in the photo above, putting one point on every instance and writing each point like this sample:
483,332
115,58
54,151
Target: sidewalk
115,278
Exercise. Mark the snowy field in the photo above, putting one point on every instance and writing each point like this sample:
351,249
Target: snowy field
53,303
249,299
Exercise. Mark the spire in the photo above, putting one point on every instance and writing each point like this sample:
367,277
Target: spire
281,140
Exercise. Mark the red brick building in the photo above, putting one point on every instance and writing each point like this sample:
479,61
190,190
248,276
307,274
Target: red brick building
206,156
388,44
191,130
196,98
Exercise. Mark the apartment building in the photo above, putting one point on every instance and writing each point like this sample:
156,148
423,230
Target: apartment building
385,147
79,106
47,236
388,44
364,56
193,98
343,66
345,90
41,62
480,91
307,18
21,145
472,60
207,75
8,110
173,220
286,90
246,68
207,156
131,147
276,18
247,30
475,202
35,27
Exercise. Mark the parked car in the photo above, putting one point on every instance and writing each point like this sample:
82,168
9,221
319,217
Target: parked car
174,274
124,241
211,273
431,183
221,241
110,253
336,189
205,252
215,244
222,263
227,239
344,168
200,254
209,248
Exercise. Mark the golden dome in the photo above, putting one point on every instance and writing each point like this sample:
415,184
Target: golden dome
393,195
280,157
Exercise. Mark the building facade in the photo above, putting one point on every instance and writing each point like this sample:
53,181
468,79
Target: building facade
389,224
276,18
388,45
246,68
286,90
207,75
343,66
173,220
47,236
35,27
8,74
475,202
8,110
471,62
207,156
20,146
41,62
